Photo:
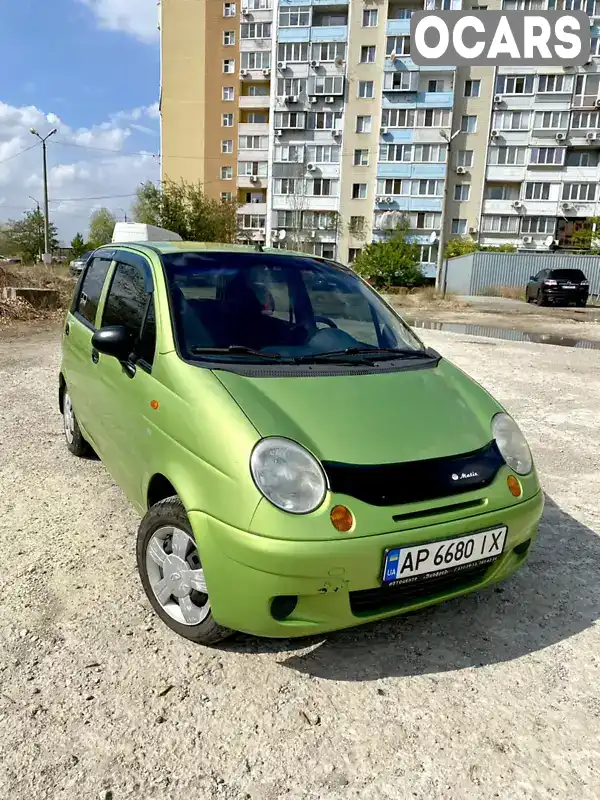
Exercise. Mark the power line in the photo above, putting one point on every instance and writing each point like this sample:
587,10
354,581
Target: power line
106,149
20,153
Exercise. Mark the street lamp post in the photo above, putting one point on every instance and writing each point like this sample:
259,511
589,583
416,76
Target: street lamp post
449,138
47,258
124,214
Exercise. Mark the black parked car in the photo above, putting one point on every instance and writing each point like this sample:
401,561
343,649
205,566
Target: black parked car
558,286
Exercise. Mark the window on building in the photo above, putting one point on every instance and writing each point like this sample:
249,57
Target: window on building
459,227
286,185
595,42
472,88
256,59
294,16
429,153
408,118
227,145
328,84
537,191
247,168
468,123
253,142
500,224
538,225
395,152
356,226
228,38
226,173
367,54
229,9
257,117
501,191
585,120
291,86
555,84
425,221
435,86
228,93
584,192
524,5
252,222
289,153
363,123
287,120
582,158
324,120
462,192
398,118
507,155
547,155
550,120
514,84
227,120
361,158
369,19
322,187
359,191
292,52
328,51
397,46
464,158
323,153
228,65
353,253
511,120
255,30
366,89
226,197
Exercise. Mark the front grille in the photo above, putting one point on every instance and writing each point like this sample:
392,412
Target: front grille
372,601
415,481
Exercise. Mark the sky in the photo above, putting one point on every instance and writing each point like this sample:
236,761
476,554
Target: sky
89,68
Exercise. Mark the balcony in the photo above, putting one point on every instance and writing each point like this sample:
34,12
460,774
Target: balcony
406,63
256,182
397,27
400,169
400,203
393,98
293,34
502,207
329,33
252,208
506,173
253,129
254,101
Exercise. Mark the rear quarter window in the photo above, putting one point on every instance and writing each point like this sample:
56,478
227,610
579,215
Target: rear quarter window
86,303
567,274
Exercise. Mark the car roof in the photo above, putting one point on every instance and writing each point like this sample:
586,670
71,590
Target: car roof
164,248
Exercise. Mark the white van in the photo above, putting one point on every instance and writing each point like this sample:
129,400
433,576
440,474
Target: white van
138,232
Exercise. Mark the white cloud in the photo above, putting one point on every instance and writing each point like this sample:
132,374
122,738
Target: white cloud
85,163
136,17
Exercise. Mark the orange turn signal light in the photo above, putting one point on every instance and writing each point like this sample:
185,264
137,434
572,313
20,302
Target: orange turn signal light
514,486
154,404
342,519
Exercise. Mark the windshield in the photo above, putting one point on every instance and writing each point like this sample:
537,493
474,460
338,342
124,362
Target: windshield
277,306
567,275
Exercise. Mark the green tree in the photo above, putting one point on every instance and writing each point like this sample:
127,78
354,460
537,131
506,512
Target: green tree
394,262
184,209
459,247
587,237
78,246
25,237
102,226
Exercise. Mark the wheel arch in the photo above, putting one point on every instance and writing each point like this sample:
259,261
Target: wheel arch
159,488
62,385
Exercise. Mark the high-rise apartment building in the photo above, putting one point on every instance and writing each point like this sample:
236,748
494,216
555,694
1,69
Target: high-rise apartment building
312,115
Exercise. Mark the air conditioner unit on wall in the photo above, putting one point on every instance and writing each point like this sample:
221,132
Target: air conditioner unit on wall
314,63
254,178
517,204
311,167
313,99
498,99
460,170
330,99
527,239
560,137
591,136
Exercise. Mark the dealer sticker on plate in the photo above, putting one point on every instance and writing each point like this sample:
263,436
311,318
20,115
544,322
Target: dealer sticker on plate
407,564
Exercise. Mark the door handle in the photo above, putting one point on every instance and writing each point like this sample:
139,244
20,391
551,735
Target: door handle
67,329
95,356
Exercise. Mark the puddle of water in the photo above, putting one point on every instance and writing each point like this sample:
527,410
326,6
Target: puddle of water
504,333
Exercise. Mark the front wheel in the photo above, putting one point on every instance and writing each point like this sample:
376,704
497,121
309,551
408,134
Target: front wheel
540,299
172,573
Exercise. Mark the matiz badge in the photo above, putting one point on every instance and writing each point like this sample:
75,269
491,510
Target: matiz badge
464,475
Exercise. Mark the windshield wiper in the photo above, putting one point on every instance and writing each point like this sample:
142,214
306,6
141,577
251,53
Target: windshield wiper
233,350
373,352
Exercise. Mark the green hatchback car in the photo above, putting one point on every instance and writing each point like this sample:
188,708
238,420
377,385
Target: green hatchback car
302,462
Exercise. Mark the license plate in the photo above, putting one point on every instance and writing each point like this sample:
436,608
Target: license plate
567,286
408,564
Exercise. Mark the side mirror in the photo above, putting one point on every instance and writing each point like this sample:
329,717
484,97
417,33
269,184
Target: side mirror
114,340
532,277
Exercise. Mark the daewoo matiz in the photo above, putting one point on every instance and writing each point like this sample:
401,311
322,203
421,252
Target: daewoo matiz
302,462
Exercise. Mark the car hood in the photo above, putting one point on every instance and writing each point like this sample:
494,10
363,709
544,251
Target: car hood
381,418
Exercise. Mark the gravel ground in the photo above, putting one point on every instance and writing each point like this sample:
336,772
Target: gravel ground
490,696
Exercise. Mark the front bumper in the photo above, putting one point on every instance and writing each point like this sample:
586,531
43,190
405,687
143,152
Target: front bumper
337,583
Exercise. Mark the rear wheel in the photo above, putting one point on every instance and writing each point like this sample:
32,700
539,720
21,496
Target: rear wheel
172,573
73,436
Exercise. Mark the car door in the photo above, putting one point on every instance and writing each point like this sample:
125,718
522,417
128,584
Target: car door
125,390
77,364
537,283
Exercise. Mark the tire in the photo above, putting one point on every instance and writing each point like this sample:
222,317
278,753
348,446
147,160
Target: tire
581,303
73,436
166,540
540,299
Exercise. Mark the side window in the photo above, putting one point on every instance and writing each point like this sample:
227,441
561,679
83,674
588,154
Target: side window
130,304
541,275
91,289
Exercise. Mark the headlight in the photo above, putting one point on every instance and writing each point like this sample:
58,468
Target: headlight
512,444
288,475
